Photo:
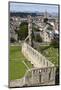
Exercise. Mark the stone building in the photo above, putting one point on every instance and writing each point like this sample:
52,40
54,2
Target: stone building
14,26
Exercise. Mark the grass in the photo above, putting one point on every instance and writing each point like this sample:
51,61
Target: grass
17,67
51,53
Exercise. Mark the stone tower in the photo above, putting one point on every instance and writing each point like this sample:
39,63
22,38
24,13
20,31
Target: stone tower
45,14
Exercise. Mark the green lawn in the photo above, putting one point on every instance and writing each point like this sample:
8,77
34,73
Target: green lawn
51,53
17,67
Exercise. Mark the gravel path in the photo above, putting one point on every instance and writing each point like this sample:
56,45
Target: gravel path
26,65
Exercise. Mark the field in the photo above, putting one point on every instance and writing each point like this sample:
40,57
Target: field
17,68
50,53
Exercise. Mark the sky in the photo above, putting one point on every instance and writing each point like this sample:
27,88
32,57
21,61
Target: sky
24,7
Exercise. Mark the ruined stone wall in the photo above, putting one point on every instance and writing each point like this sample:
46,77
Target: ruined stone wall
36,58
40,76
43,72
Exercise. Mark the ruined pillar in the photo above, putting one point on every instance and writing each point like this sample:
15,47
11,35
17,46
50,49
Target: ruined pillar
30,29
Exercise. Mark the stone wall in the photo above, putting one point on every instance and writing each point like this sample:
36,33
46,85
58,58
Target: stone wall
36,77
43,72
40,76
36,58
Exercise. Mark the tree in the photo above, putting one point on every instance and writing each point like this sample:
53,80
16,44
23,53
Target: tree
38,38
23,31
50,28
12,40
45,20
54,43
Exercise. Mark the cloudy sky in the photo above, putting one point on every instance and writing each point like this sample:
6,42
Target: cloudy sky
23,7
